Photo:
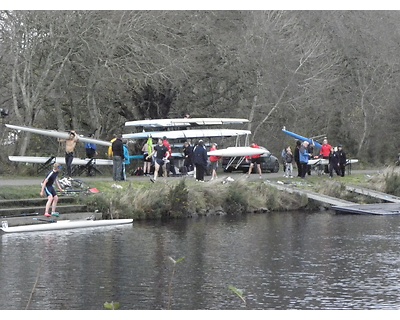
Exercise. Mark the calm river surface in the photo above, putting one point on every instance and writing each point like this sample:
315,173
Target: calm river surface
281,261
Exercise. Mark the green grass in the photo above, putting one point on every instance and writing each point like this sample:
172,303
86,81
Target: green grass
179,198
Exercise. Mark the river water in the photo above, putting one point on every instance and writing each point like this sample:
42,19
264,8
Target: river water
279,261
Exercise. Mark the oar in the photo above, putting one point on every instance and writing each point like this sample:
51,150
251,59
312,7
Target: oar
20,215
45,220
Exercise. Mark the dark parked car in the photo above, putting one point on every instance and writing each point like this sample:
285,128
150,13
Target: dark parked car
269,163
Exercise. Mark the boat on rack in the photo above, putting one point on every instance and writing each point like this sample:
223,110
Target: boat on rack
63,224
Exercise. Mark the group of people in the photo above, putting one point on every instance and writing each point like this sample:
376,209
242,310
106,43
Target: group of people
304,151
195,159
119,153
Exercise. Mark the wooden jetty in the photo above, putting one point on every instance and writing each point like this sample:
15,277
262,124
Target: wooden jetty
374,194
325,200
391,207
374,208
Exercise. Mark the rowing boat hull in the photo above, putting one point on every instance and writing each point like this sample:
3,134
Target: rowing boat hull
66,224
237,152
60,160
326,161
184,122
58,134
187,134
301,138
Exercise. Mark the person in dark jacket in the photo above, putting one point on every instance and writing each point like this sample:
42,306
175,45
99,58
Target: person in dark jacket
117,148
200,160
333,162
342,160
161,154
188,153
297,157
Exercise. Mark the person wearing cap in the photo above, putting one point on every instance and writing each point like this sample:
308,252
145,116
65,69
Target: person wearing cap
70,144
342,160
48,189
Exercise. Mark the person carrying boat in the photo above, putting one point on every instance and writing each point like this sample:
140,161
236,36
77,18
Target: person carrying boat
70,144
48,189
255,159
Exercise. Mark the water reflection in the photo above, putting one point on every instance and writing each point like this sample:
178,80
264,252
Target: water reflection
280,260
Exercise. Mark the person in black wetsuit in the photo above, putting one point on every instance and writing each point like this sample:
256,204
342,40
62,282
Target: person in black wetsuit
48,189
161,158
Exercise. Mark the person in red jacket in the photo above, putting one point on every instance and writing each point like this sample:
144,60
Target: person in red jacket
170,164
214,162
256,159
325,153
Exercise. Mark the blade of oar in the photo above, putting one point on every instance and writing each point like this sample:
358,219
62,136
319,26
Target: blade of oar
45,220
20,215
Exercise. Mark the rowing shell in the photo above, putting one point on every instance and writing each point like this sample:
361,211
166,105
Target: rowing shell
237,152
58,134
65,224
187,134
301,138
182,122
60,160
326,161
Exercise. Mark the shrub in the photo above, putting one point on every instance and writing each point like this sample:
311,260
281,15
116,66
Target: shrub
236,200
178,200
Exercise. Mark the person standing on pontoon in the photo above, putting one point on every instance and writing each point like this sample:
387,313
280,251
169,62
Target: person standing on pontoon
48,189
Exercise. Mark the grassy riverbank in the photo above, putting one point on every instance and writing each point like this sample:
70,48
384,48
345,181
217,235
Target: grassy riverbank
178,198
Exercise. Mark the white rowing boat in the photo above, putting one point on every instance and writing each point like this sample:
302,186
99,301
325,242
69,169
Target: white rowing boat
63,224
58,134
60,160
237,152
324,162
187,134
184,122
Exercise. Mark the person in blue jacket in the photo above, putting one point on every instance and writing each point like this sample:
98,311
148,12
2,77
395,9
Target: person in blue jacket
304,156
126,160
